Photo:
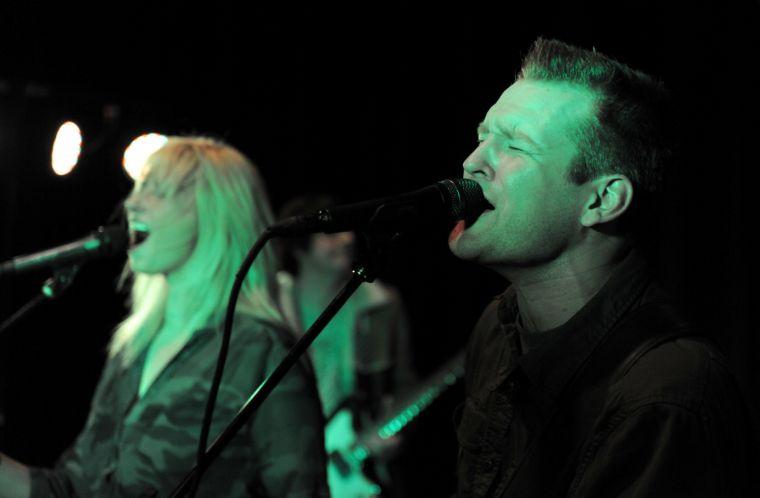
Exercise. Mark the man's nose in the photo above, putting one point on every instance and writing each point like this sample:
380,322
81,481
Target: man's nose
343,238
476,167
347,237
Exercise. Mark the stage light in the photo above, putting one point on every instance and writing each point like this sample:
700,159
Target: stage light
66,148
138,151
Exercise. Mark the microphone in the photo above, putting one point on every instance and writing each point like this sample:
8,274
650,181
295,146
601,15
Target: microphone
446,201
103,242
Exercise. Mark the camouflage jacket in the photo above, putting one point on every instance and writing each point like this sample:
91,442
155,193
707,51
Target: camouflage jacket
132,446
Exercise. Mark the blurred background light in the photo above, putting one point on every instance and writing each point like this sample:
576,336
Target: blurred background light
67,147
138,150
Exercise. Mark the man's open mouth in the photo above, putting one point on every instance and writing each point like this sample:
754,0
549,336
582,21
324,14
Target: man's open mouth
468,221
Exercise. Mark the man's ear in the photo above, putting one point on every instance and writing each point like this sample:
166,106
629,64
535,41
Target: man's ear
608,197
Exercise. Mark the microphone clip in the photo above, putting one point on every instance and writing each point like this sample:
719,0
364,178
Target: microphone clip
61,280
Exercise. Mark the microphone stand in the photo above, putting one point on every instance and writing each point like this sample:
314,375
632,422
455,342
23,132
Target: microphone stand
360,275
52,288
364,270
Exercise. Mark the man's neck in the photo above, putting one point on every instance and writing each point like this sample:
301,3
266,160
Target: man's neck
315,285
548,297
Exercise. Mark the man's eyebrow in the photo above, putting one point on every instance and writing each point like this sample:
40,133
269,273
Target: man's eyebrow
512,132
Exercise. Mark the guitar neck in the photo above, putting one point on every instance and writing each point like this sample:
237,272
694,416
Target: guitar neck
409,408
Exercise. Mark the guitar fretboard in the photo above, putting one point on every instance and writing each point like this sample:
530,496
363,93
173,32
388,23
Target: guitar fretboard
410,407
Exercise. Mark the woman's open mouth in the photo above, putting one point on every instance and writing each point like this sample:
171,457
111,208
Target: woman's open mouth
138,232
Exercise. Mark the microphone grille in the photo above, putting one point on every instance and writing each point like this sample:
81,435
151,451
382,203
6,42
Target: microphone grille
114,239
466,199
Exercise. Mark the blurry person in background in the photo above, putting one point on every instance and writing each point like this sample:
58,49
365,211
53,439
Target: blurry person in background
362,357
192,216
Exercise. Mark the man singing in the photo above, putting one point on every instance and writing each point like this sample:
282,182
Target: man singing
582,379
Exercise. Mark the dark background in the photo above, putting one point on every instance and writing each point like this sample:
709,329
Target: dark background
357,103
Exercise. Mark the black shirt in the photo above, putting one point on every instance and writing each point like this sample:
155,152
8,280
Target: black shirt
673,425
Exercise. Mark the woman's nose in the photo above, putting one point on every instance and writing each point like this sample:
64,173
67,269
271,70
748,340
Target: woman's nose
133,203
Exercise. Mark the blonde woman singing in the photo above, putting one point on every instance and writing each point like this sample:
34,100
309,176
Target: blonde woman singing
193,215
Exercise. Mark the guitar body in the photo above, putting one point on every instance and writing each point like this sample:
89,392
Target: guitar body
345,475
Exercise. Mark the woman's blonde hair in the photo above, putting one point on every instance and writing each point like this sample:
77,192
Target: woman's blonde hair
233,210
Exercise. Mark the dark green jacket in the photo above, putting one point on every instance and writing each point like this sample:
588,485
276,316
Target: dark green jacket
131,446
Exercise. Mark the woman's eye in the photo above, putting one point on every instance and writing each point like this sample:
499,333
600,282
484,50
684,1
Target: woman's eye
512,147
155,191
